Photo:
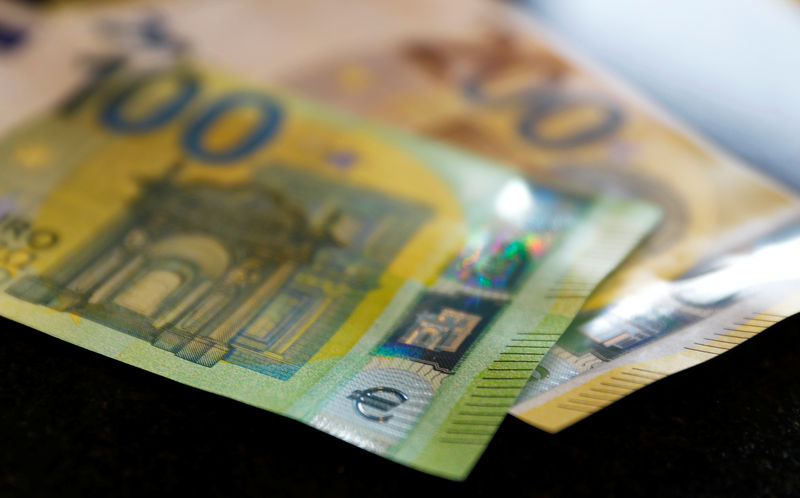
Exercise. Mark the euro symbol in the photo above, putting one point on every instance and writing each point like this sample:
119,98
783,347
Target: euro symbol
368,397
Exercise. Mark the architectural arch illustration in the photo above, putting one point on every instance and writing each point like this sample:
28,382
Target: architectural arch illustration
259,274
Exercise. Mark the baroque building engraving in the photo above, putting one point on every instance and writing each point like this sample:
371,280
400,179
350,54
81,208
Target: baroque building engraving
260,275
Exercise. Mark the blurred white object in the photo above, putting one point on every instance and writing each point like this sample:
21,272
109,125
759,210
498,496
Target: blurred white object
730,68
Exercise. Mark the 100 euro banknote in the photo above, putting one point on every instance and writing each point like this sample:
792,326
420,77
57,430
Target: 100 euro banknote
379,287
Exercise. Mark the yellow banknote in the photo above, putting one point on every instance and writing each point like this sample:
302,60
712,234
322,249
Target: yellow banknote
483,76
709,310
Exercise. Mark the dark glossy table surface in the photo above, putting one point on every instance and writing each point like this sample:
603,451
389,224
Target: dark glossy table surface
74,423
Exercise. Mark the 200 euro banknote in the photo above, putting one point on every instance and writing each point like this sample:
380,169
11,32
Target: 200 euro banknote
368,283
483,76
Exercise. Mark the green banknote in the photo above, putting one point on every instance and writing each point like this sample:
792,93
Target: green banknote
382,288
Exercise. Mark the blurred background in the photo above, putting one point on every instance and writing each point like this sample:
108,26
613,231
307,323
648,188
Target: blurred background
729,68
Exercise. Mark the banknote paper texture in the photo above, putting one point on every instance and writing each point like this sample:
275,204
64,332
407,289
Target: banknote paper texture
375,286
485,78
482,76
